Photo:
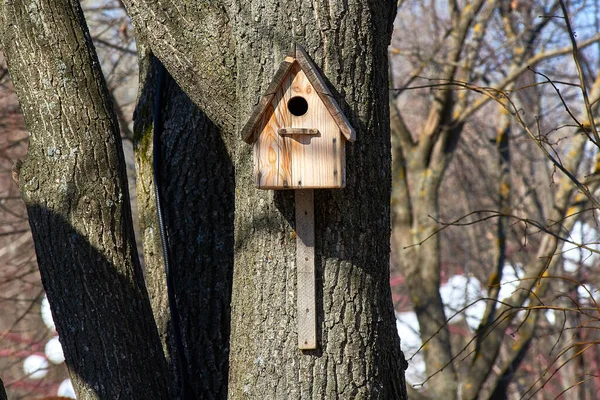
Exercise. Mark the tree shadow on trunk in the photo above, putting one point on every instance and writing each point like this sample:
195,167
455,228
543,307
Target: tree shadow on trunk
197,185
102,313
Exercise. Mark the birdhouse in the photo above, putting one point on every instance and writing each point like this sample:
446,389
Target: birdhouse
298,130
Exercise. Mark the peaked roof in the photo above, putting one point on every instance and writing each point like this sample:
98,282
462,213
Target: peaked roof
298,55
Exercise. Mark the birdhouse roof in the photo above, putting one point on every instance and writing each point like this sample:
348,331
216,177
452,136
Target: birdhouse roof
298,55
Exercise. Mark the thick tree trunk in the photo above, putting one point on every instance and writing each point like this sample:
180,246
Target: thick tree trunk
359,353
74,185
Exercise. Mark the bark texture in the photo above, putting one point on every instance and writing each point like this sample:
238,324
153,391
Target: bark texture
197,186
359,354
74,185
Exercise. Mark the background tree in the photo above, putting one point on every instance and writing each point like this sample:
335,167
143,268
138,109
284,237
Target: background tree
74,185
481,52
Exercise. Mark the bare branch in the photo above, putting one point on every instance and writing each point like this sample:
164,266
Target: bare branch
584,93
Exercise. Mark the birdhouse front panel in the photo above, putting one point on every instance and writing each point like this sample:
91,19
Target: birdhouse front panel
299,145
298,130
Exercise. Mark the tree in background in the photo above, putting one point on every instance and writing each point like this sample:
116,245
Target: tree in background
464,62
228,241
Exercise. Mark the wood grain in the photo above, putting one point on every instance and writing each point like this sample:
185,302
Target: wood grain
298,161
305,270
324,93
297,131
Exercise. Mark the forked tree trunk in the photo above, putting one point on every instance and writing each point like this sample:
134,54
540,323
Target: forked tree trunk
359,353
222,55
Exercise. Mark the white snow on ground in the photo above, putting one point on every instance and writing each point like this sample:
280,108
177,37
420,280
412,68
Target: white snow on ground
47,315
35,366
66,389
575,256
54,351
408,329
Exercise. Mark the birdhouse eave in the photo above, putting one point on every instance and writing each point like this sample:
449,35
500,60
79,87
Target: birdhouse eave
298,55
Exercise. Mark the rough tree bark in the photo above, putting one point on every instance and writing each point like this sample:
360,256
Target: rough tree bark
74,185
359,354
197,185
222,55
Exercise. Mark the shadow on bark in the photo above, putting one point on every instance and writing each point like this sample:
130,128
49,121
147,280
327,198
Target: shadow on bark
102,316
197,185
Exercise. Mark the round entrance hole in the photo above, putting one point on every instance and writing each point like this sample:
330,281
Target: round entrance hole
297,106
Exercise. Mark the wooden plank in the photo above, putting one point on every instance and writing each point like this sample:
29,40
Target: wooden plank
297,131
305,270
314,161
281,118
266,154
311,71
255,118
340,119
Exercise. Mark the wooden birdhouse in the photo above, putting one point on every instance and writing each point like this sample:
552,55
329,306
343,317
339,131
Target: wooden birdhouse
298,130
299,135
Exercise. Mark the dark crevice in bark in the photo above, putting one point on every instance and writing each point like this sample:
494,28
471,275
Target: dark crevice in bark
197,184
198,191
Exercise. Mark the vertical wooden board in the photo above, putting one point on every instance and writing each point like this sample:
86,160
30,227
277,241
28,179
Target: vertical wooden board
272,155
282,117
300,161
266,153
303,169
339,156
256,160
305,270
342,160
278,119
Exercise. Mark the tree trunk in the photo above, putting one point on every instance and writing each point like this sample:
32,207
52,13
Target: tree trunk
74,185
75,188
359,353
420,259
